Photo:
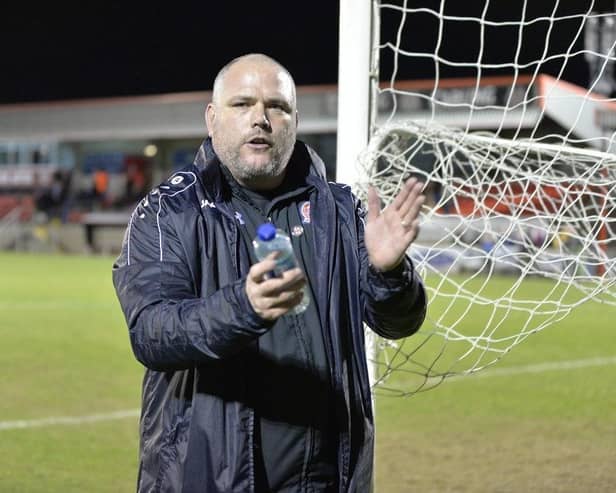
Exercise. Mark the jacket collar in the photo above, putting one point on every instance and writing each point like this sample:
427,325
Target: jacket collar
209,166
304,165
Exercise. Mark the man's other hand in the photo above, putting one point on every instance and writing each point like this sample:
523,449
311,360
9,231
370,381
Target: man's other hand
275,296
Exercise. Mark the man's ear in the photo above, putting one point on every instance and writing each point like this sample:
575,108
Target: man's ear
210,116
296,119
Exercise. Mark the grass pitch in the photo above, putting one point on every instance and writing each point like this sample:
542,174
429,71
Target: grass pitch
65,353
538,422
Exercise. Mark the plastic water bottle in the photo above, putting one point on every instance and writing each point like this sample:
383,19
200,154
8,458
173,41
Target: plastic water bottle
268,240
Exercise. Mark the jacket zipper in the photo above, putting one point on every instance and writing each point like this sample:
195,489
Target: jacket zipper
338,386
251,446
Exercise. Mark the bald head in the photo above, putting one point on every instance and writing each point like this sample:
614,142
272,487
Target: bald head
252,120
252,60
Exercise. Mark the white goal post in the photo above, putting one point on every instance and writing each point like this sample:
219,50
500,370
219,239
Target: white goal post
518,157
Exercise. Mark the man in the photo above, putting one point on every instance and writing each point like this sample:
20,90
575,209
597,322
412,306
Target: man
240,394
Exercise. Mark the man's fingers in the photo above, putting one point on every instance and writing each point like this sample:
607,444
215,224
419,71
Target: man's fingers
273,297
403,194
286,300
412,231
374,204
410,206
258,271
290,280
281,307
411,210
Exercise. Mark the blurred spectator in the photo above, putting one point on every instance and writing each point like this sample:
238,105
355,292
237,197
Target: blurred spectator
135,182
100,179
51,200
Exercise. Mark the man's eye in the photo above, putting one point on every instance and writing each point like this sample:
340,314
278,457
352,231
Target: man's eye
240,104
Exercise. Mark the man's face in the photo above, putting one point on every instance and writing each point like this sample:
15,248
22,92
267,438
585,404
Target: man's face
253,122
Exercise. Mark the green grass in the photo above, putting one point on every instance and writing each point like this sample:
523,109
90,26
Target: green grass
66,353
544,431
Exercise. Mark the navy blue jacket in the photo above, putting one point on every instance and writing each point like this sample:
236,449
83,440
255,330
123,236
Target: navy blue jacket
180,279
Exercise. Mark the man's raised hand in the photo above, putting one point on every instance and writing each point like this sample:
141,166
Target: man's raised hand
389,232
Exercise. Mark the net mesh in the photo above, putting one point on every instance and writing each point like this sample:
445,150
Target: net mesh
519,168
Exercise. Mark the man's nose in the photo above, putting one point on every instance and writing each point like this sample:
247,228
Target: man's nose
259,117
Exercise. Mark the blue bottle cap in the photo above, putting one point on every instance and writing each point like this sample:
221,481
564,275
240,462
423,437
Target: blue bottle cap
266,231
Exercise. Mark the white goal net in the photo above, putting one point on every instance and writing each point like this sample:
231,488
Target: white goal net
505,111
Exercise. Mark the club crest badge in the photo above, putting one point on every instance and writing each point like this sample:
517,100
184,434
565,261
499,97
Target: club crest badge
304,212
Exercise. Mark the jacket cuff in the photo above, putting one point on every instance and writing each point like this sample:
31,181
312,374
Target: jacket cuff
386,284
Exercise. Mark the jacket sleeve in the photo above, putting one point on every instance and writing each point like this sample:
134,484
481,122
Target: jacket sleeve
170,325
395,302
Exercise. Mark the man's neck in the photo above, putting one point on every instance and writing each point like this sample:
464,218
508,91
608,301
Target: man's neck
265,185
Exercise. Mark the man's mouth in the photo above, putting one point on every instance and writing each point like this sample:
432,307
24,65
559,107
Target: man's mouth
259,143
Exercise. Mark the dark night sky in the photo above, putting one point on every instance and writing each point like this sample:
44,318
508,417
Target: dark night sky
113,48
69,50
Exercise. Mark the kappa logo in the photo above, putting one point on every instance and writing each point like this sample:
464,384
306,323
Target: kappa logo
207,203
239,218
304,211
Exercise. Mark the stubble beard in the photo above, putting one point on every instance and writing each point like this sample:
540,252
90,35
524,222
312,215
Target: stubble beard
248,174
